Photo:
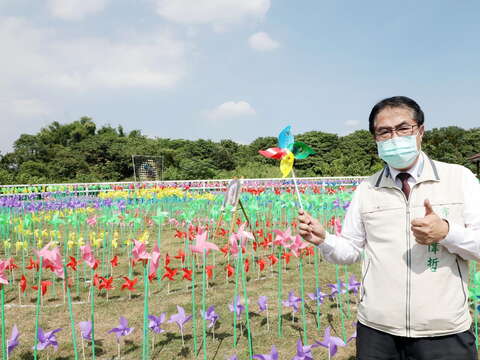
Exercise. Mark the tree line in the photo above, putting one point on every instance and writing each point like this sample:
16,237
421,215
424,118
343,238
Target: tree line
81,151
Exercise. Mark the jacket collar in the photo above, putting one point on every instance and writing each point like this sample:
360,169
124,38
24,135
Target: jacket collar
427,171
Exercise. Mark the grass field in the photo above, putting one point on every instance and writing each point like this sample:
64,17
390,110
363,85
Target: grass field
164,297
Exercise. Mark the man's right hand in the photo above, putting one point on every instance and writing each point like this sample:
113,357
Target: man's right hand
310,229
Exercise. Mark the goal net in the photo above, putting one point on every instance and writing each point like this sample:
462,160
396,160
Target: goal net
147,168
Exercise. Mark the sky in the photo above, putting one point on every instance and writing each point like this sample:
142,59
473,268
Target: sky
234,69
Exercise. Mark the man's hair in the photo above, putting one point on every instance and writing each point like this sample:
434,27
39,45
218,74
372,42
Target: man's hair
396,102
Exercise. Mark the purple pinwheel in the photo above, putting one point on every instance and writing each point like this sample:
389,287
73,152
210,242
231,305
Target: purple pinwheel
233,357
292,301
155,323
86,330
236,306
180,319
353,284
210,315
13,341
330,342
354,335
336,288
122,330
47,339
272,356
317,296
262,303
304,352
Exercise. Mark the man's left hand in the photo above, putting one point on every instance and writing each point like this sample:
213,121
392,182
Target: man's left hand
431,228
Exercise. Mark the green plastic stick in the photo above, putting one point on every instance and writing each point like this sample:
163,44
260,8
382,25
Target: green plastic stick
204,308
145,312
194,307
279,291
317,286
237,261
302,296
247,316
92,313
37,307
72,321
4,342
340,300
347,295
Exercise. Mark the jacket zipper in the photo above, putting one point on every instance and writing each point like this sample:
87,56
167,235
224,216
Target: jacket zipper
461,282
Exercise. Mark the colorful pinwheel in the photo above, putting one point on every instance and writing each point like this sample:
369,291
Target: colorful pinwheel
287,151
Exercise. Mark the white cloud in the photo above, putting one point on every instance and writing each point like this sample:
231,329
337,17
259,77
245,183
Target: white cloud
261,41
75,9
37,58
352,123
218,13
231,109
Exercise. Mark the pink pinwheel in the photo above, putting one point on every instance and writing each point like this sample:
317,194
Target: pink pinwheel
243,235
92,221
338,226
272,356
298,245
139,252
154,260
330,342
233,245
52,259
88,256
13,341
304,352
122,330
283,238
47,339
3,277
201,244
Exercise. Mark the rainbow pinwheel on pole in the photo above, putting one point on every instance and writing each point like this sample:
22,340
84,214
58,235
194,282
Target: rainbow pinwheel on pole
287,151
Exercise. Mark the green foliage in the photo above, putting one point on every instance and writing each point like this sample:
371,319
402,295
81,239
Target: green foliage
82,152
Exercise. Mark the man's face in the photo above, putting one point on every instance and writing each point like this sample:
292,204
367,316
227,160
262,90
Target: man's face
395,117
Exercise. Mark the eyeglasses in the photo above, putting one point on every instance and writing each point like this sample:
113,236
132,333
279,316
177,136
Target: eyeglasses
402,130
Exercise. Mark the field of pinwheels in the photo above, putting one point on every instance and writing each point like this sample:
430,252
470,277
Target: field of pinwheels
168,272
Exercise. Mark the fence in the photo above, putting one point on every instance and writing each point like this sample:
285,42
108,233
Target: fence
211,184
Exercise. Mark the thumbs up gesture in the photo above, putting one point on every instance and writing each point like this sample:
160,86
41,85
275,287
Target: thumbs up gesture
430,228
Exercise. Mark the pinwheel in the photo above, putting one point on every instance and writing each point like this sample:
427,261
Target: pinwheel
330,342
287,151
47,339
13,341
272,356
180,318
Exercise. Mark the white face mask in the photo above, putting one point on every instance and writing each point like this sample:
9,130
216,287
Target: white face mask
399,152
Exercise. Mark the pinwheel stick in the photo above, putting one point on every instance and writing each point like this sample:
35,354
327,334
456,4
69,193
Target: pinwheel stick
37,307
296,189
4,343
70,312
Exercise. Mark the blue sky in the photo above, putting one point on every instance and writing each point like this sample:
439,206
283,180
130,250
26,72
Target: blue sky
234,69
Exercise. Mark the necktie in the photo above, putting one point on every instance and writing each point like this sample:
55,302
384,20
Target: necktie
405,186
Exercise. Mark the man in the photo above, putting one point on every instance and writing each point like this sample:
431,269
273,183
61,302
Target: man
417,222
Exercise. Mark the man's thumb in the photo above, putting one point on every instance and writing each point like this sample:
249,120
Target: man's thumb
428,207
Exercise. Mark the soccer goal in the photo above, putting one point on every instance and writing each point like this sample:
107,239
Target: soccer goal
147,168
